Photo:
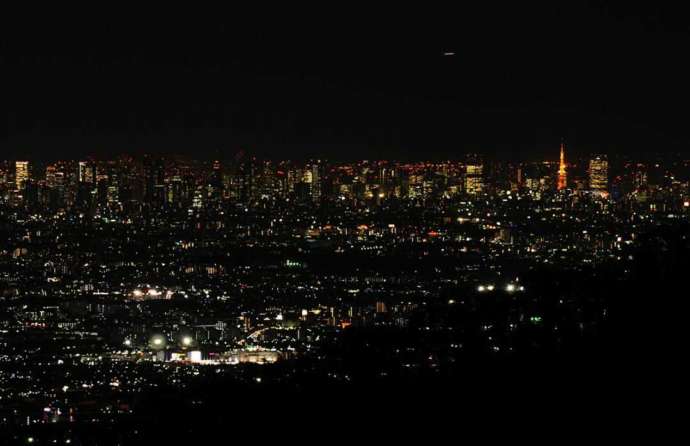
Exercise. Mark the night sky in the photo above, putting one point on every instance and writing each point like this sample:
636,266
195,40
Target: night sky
357,84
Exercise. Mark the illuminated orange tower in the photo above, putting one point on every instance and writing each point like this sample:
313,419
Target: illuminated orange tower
562,174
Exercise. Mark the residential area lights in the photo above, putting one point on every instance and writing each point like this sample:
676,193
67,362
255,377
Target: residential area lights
510,288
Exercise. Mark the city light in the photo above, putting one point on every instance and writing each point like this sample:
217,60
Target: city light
157,342
483,212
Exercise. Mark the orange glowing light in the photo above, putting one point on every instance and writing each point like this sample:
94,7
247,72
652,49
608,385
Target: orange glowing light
562,172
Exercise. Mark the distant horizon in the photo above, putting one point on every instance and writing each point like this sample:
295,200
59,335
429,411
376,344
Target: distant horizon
384,155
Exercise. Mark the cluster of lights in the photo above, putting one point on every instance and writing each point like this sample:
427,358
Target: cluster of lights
159,341
510,288
151,292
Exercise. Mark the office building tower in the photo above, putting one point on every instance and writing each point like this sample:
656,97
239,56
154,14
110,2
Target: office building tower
474,181
315,182
21,175
599,174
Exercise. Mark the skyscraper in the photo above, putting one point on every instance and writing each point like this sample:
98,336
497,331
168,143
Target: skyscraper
315,182
154,180
21,175
86,172
474,183
599,174
51,176
562,174
215,182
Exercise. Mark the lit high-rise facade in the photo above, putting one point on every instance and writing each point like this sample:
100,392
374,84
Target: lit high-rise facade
599,174
315,182
21,170
474,181
86,172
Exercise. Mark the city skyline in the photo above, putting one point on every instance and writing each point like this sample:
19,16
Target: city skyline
159,171
213,227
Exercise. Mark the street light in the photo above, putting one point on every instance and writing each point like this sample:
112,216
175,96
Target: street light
157,342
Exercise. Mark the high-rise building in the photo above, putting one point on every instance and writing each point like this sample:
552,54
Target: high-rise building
87,172
21,175
474,181
562,173
599,174
315,182
247,172
215,182
293,176
51,176
639,177
154,180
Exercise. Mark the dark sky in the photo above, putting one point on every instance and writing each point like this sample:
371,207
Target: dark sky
351,84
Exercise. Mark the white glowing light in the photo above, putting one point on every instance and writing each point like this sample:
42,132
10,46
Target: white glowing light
187,340
481,288
490,287
510,288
